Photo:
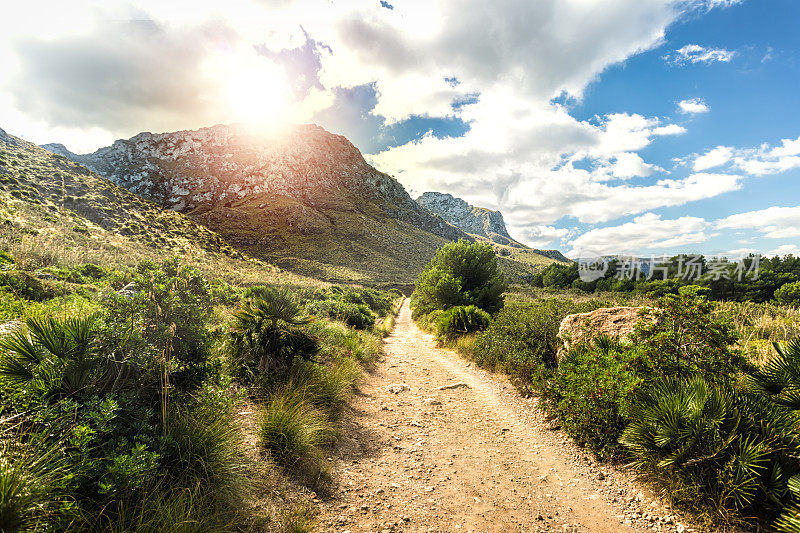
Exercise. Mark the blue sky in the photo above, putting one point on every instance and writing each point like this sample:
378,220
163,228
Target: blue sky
595,126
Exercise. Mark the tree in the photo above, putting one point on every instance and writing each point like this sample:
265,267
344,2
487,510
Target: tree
462,273
789,294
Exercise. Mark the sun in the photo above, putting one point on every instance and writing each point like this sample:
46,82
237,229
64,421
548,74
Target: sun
252,89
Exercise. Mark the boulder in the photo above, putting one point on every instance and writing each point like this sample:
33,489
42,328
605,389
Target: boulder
616,322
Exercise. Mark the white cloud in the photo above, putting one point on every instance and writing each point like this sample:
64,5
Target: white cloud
522,161
711,4
770,160
713,158
539,236
761,161
646,233
773,222
693,105
694,53
784,249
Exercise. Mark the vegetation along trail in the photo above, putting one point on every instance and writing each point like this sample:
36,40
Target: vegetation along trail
437,445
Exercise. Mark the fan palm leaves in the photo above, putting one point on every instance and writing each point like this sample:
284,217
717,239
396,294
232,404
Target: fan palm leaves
53,357
265,334
779,378
735,448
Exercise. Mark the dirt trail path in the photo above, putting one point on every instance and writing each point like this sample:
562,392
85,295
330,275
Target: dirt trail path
476,457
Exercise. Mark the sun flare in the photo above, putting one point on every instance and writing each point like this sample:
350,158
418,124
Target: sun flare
254,90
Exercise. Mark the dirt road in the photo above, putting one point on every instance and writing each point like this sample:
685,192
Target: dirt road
434,444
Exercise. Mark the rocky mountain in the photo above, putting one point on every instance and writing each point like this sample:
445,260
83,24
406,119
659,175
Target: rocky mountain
474,220
479,221
305,199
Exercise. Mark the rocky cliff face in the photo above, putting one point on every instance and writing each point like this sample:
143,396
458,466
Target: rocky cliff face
479,221
194,171
303,195
475,220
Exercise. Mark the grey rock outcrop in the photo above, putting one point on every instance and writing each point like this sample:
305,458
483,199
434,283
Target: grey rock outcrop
196,171
475,220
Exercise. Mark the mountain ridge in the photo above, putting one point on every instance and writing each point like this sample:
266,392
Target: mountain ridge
304,199
478,221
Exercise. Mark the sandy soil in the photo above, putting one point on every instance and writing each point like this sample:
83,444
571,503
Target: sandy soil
418,456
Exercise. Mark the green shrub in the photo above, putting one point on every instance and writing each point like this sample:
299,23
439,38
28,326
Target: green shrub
378,302
713,446
165,322
591,390
523,338
357,316
52,359
266,337
789,294
685,337
462,273
23,285
461,320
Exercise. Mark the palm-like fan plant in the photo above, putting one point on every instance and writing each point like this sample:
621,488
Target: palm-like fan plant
734,448
779,378
265,335
53,358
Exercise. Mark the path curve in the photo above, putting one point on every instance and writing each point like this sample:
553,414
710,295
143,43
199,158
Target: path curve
476,458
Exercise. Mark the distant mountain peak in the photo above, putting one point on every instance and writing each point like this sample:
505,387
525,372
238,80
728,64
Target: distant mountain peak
472,219
477,221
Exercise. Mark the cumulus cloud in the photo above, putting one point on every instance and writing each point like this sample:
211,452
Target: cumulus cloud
694,53
774,222
770,159
693,105
761,161
540,236
784,249
648,232
713,158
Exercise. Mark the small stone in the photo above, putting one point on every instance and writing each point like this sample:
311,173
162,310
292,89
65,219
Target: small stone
459,385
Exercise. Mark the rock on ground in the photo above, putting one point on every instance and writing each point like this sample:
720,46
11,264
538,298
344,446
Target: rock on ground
616,322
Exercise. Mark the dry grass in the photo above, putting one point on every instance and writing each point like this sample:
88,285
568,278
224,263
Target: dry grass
762,324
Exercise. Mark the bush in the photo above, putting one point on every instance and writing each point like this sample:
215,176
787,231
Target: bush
165,322
684,338
265,337
461,320
356,316
462,273
789,294
23,285
523,338
591,390
714,446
